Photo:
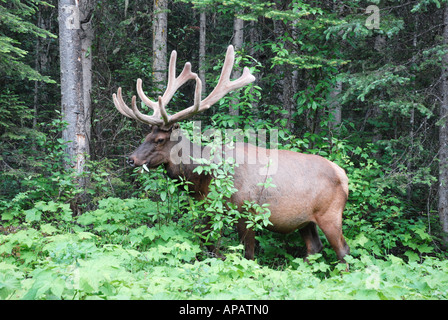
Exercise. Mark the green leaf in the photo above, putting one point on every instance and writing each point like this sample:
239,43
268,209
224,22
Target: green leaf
33,215
7,216
48,229
412,256
8,284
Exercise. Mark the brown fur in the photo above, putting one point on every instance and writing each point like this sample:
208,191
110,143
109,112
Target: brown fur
310,190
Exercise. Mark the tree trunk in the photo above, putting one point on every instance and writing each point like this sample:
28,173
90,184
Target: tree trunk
283,83
202,43
289,89
37,83
238,38
159,44
87,36
72,87
335,107
255,39
443,140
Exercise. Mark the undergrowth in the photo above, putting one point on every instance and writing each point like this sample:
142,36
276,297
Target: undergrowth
126,250
151,245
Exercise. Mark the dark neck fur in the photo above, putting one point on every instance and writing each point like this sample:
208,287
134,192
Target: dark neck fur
185,171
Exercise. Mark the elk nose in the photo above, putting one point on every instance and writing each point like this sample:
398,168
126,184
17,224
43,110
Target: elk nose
130,162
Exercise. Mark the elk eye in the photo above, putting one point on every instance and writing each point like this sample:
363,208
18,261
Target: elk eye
160,140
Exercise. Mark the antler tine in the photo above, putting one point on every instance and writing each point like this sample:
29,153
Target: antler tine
122,107
162,110
224,85
197,95
190,111
173,82
133,113
229,61
152,120
153,105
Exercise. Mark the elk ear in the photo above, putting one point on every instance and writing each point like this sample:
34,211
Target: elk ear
175,126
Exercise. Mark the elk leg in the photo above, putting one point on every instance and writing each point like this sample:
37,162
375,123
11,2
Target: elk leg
332,229
247,236
311,237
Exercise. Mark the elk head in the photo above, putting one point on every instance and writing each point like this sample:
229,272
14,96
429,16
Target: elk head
156,148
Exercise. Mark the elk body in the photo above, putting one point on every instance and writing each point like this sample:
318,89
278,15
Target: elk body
310,190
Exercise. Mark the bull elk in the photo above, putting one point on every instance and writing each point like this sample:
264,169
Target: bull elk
310,190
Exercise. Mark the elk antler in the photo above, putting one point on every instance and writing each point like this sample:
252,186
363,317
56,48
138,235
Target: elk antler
160,117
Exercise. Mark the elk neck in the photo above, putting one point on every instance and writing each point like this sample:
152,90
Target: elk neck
184,169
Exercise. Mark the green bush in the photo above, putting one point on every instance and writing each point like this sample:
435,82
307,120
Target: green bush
50,263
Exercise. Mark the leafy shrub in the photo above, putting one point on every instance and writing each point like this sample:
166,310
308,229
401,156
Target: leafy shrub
142,257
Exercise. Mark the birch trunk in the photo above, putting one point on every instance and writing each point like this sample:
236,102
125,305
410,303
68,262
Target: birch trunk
159,44
87,36
255,39
71,84
335,106
202,43
443,140
72,102
238,37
